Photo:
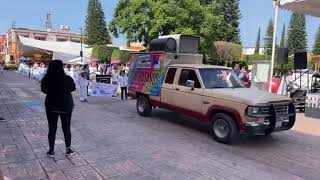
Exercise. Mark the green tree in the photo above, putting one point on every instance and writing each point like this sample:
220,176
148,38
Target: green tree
230,25
151,18
206,2
257,49
283,37
96,31
122,55
211,26
225,51
102,53
297,35
268,39
249,59
316,47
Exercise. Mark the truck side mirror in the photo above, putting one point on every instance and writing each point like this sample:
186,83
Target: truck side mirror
190,83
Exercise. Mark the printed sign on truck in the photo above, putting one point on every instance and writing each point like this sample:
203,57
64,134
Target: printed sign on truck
146,73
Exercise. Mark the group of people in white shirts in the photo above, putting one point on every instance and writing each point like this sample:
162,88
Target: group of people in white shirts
81,75
120,81
82,78
73,71
36,71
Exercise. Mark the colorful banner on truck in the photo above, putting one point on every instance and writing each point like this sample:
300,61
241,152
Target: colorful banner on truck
146,73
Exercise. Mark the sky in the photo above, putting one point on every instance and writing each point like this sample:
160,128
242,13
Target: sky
32,14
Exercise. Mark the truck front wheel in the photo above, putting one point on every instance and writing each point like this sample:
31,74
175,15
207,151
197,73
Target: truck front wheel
223,128
143,106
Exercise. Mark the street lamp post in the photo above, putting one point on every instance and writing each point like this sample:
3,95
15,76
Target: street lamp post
81,52
276,6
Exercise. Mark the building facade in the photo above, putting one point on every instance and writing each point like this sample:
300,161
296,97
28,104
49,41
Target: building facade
14,49
2,46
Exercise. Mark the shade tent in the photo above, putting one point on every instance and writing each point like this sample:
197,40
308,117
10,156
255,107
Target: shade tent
65,58
308,7
78,60
115,61
70,58
66,47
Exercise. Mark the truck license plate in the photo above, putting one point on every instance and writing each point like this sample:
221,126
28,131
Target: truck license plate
278,124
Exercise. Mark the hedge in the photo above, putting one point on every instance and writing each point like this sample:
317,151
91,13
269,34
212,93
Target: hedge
10,66
120,55
224,52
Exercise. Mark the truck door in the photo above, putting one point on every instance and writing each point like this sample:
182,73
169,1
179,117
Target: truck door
168,86
186,97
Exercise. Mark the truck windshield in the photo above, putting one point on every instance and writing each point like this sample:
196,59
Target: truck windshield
220,78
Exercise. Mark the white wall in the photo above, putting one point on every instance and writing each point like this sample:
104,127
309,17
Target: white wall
250,51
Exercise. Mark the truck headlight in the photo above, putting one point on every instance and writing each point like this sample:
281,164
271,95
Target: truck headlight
258,111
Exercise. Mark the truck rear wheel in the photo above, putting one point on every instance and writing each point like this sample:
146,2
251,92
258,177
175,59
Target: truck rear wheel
223,128
143,106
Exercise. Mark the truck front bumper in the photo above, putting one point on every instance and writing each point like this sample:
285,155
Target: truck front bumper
272,124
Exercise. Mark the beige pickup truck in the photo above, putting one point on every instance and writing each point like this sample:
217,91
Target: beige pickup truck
215,94
208,93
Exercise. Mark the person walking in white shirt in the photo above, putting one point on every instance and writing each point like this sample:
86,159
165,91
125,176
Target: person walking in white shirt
83,83
1,69
123,81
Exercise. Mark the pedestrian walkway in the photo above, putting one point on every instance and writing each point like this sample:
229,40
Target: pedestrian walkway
112,142
23,139
307,125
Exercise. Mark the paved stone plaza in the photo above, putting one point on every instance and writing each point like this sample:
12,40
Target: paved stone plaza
112,142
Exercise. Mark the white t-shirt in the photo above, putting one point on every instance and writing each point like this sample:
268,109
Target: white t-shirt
123,81
115,77
250,75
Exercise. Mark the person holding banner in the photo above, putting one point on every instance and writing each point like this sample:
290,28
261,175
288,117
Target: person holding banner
123,81
83,83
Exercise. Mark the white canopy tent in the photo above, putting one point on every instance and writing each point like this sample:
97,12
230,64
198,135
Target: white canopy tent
66,47
78,60
70,58
65,58
308,7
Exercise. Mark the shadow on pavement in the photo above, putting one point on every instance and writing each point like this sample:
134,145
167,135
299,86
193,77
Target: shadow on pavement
244,139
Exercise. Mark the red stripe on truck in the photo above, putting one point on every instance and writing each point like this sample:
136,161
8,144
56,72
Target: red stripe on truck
203,117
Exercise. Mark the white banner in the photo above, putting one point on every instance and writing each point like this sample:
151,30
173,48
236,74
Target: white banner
104,89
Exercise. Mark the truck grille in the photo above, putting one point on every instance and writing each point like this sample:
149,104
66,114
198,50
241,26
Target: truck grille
281,109
265,110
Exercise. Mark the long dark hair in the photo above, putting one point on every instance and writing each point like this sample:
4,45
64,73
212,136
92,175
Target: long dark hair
55,69
55,74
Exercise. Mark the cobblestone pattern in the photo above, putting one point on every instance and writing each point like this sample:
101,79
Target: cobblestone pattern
112,142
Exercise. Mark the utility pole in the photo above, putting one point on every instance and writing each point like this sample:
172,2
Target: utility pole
81,52
49,26
13,24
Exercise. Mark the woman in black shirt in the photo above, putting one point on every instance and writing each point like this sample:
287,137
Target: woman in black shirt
59,103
